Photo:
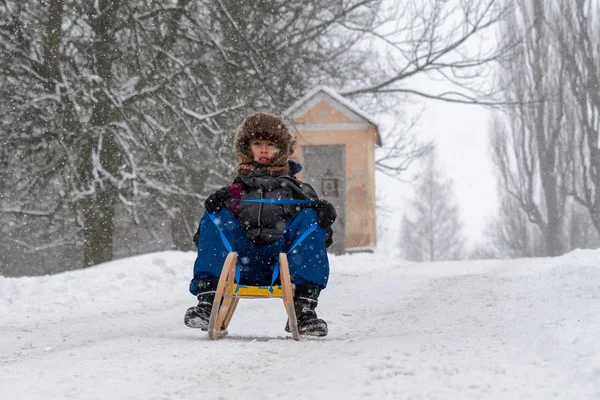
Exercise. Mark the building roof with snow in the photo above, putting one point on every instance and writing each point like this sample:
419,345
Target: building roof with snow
343,105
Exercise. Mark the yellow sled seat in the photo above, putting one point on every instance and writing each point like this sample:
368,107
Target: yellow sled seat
256,291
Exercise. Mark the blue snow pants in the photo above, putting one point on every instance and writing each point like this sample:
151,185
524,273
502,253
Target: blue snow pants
308,261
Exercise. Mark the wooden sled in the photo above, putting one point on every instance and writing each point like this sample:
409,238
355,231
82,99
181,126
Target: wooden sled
228,295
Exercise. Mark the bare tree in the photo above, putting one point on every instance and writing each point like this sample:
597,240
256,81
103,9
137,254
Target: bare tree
577,33
441,40
113,104
400,148
431,231
452,43
511,235
526,144
81,79
581,232
133,103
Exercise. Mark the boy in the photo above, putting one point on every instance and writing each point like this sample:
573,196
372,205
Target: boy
262,214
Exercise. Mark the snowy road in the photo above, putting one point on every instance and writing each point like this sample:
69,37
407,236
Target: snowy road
518,329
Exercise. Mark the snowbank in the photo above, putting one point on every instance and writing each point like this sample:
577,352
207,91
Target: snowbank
502,329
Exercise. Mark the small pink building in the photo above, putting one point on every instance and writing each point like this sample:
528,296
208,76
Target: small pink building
336,146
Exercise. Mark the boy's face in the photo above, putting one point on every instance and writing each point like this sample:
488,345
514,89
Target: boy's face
263,151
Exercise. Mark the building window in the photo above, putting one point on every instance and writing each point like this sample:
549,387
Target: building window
329,187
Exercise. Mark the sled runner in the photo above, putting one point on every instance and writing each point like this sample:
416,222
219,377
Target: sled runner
229,293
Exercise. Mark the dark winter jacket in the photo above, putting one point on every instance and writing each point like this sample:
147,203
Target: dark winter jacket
264,223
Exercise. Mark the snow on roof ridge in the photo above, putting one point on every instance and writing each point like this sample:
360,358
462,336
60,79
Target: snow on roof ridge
338,97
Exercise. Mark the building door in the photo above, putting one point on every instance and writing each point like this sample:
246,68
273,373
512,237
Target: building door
324,168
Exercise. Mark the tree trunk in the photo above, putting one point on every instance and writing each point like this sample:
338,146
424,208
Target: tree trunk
553,227
99,209
52,44
594,205
98,229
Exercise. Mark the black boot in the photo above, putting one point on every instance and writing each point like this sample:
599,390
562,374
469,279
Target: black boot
305,301
198,316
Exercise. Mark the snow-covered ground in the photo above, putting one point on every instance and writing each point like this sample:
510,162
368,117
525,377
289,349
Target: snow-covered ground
518,329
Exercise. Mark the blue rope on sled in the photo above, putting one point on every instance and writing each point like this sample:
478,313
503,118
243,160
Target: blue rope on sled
275,201
296,243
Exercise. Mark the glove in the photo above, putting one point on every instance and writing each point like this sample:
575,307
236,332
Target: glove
326,213
196,237
328,238
216,201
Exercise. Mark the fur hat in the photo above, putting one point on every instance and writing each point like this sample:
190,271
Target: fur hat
264,126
